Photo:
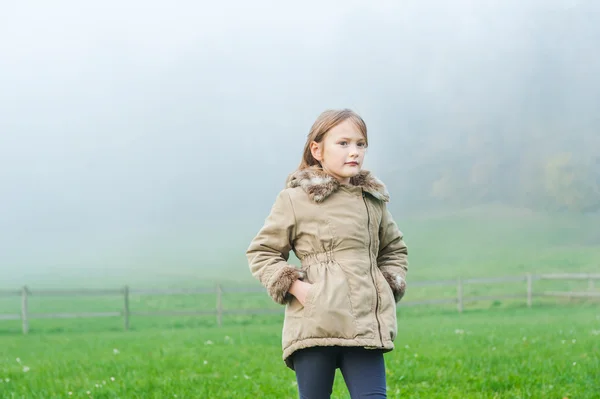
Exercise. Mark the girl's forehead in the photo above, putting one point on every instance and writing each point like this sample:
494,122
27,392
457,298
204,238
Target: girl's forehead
346,129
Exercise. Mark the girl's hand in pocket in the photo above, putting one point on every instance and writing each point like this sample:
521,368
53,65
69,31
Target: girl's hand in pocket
299,289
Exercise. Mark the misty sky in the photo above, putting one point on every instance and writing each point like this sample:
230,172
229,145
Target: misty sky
139,130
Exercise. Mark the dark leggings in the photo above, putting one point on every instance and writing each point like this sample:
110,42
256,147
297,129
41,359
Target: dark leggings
363,371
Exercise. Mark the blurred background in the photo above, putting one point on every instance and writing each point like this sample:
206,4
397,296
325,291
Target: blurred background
144,143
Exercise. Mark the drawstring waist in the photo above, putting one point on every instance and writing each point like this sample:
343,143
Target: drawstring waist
317,257
337,256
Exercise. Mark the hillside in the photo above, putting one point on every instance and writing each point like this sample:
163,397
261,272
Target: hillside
481,241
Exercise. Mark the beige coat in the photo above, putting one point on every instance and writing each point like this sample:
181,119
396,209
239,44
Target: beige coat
351,251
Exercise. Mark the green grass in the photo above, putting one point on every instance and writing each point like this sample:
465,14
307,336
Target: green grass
495,349
497,242
542,352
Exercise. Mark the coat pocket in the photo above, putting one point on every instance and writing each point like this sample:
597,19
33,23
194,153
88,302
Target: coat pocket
382,282
387,308
309,302
328,307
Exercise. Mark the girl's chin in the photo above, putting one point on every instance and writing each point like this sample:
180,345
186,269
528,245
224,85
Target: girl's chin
352,169
350,172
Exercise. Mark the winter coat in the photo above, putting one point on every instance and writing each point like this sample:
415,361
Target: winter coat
350,249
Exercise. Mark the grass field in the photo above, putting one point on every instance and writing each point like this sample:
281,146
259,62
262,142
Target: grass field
515,352
495,349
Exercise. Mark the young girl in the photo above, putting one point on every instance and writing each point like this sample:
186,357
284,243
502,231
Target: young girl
341,304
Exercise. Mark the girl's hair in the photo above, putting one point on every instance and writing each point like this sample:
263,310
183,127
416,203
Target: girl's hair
324,123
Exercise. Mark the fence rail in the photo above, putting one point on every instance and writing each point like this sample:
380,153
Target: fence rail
219,311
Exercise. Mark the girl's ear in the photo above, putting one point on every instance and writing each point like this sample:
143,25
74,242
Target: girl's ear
316,150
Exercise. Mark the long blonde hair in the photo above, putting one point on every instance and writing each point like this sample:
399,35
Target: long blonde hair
323,124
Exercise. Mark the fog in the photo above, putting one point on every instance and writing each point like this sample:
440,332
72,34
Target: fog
151,137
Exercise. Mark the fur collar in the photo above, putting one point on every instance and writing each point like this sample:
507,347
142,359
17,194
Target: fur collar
320,185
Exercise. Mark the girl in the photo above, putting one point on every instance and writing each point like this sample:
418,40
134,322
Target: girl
340,306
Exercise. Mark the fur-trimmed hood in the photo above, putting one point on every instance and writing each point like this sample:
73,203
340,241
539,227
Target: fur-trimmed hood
319,185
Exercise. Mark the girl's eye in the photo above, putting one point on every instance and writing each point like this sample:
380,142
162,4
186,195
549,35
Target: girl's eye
360,145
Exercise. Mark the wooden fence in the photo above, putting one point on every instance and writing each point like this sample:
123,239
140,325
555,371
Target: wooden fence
219,311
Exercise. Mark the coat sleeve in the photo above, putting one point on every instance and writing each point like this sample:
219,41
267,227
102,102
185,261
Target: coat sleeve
393,255
268,252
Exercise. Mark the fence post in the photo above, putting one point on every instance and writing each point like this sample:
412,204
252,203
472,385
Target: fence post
591,285
219,305
24,310
529,290
459,292
126,307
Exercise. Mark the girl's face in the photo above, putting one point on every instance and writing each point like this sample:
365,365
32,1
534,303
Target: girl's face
341,152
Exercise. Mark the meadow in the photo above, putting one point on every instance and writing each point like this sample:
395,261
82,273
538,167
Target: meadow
547,351
494,349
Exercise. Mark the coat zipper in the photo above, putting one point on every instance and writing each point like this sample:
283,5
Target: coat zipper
371,270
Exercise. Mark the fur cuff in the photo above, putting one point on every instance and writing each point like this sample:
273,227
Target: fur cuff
397,284
282,281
